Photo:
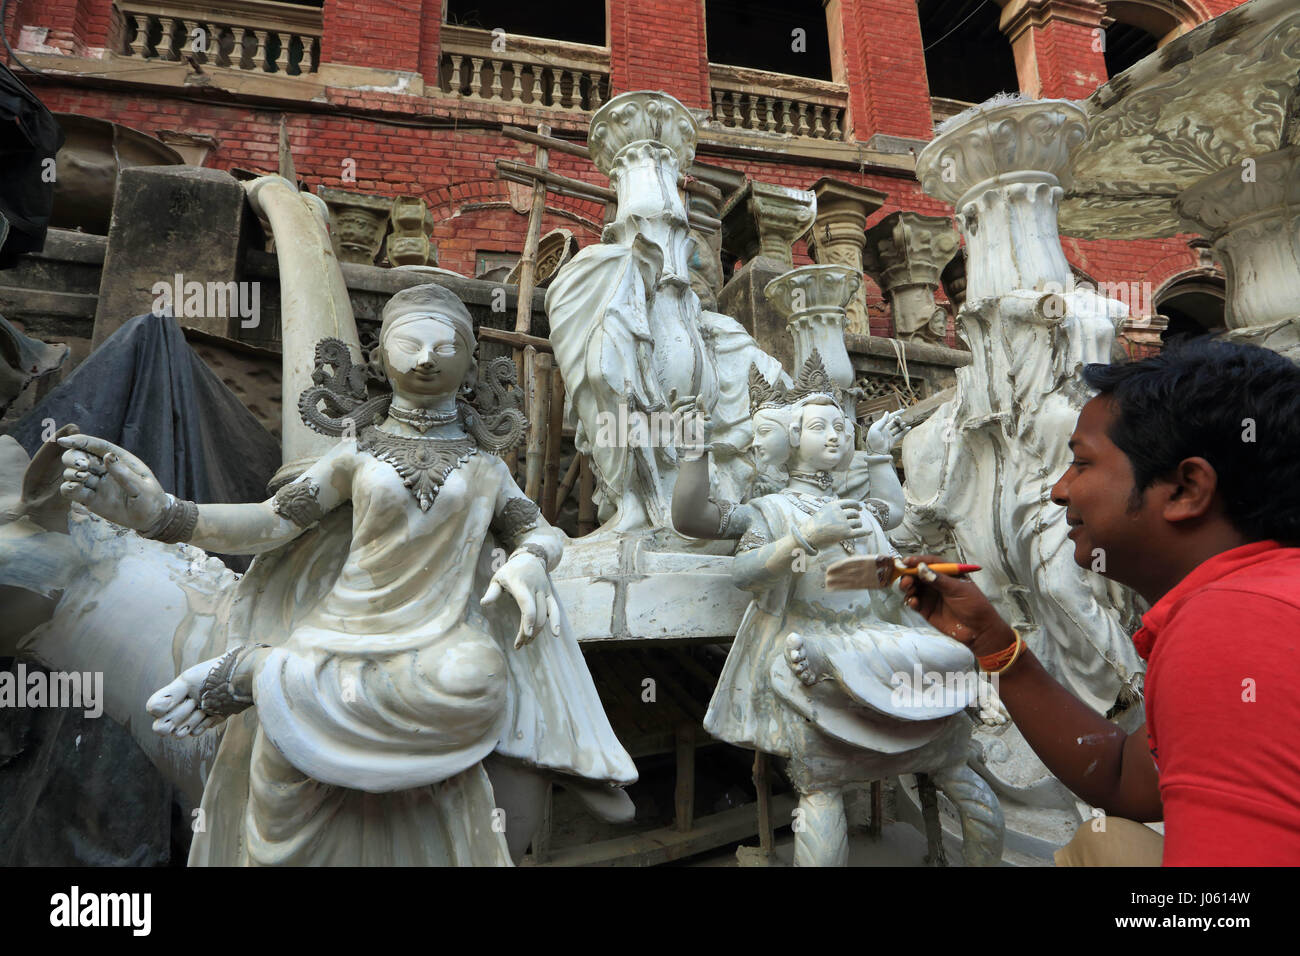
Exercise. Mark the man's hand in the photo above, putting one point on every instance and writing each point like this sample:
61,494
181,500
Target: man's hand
525,577
955,606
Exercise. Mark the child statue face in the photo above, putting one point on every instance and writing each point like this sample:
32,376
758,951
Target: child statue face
824,440
423,358
771,437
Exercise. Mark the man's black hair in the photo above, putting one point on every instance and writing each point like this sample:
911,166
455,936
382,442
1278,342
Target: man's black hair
1209,398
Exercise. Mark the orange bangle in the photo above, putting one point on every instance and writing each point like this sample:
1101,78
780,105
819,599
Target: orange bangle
999,661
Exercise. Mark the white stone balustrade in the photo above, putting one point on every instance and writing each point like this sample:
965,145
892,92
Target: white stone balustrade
520,70
761,102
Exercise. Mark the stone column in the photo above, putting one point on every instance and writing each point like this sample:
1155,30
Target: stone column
760,222
1251,215
358,223
409,244
906,253
1005,170
181,226
813,299
837,236
1057,46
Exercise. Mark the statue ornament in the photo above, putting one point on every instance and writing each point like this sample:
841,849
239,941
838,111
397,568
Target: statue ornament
816,676
388,686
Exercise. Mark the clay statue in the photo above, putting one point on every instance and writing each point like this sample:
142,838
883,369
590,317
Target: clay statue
814,676
388,685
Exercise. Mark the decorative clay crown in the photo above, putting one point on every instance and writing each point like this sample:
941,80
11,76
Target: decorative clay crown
813,380
763,394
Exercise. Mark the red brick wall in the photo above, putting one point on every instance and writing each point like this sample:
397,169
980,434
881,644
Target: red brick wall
378,33
659,45
885,69
1068,64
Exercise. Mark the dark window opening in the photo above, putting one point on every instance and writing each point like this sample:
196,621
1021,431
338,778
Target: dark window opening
966,56
1125,45
580,21
785,37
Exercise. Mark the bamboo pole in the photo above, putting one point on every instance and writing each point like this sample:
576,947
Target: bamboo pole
566,484
538,382
554,437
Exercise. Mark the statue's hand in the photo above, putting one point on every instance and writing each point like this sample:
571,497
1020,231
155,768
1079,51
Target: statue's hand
885,433
111,482
834,521
177,705
692,424
525,577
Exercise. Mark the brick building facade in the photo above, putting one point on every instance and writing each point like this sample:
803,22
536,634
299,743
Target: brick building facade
396,98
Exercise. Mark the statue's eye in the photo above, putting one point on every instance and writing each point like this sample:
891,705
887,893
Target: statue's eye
448,349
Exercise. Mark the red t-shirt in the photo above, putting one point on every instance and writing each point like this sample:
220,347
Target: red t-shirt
1223,708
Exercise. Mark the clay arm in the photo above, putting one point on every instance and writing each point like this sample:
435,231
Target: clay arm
699,515
536,550
881,438
295,507
761,562
1092,756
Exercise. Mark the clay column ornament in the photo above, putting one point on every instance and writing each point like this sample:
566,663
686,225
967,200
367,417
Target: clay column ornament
359,222
1251,213
906,253
813,300
762,219
837,237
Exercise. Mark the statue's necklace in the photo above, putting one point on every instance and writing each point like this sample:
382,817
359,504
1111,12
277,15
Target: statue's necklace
810,504
419,419
822,479
423,464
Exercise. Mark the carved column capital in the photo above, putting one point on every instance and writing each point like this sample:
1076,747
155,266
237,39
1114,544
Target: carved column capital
837,236
358,222
813,300
1251,214
763,219
1021,15
1005,166
906,253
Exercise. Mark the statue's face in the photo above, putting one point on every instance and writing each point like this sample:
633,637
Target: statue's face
823,438
423,358
771,437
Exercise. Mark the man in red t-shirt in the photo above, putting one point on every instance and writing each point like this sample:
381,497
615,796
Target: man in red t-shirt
1186,474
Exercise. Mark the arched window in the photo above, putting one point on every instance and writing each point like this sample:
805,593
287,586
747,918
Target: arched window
967,57
580,21
778,36
1192,304
1140,27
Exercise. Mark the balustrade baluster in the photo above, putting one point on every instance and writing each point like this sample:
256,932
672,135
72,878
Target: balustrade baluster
575,93
517,87
496,79
457,62
596,99
167,48
476,83
819,128
259,55
786,125
557,88
736,119
770,125
753,111
836,132
803,120
139,46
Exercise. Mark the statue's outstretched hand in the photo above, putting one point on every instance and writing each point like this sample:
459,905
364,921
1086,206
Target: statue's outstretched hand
111,482
885,433
525,577
177,705
692,423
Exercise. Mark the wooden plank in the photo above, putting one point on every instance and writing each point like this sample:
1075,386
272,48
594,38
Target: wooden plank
528,261
519,340
668,843
684,790
763,786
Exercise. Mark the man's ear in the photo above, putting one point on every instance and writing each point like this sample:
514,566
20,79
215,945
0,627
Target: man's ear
1195,481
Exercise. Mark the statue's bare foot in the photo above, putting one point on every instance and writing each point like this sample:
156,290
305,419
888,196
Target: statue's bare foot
808,665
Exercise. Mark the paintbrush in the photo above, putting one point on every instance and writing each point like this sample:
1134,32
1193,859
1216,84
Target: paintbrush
874,571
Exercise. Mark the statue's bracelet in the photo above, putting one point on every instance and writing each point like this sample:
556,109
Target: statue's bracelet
537,551
176,523
217,696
